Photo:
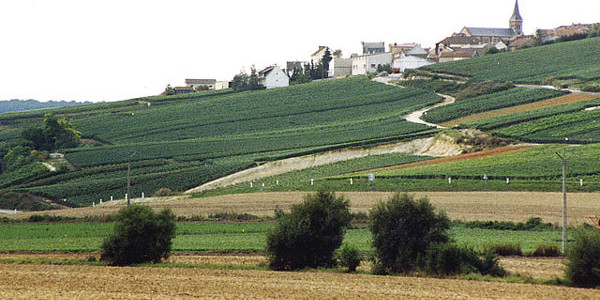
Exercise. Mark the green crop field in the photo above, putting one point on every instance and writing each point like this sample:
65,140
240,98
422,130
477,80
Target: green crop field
228,237
577,59
487,102
540,163
183,141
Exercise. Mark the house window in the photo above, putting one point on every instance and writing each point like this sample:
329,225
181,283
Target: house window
372,65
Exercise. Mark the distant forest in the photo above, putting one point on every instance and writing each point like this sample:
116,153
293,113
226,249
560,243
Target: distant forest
22,105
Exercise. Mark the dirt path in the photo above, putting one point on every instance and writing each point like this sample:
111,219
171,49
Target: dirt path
415,116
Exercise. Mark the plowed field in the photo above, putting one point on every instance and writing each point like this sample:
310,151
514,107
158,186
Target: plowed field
95,282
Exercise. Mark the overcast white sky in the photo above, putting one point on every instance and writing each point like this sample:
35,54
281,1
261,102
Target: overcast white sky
117,49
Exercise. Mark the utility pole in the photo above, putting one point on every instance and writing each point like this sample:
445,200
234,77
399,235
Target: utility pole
564,209
128,195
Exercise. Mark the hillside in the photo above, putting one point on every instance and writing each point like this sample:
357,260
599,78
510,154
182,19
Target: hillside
183,141
25,105
539,65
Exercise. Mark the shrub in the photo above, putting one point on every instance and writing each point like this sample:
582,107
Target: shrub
309,234
163,192
139,236
349,257
583,268
505,249
403,229
448,259
547,250
489,266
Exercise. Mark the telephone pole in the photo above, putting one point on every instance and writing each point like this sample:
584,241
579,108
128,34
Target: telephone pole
564,208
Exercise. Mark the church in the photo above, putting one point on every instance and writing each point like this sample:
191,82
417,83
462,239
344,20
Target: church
490,35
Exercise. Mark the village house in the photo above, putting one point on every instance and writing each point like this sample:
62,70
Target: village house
316,57
195,83
373,48
340,67
494,35
273,77
368,63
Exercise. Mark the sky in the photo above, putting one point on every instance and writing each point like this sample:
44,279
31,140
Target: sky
87,50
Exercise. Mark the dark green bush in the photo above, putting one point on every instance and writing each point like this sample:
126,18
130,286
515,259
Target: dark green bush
448,259
139,236
163,192
583,268
349,257
546,250
309,234
505,249
403,229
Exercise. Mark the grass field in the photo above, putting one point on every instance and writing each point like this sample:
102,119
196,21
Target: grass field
78,237
575,59
183,141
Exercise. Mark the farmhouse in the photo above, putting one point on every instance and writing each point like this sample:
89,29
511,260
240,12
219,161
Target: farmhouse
221,85
273,77
195,83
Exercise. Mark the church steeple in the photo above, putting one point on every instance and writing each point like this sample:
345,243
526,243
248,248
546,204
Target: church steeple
516,22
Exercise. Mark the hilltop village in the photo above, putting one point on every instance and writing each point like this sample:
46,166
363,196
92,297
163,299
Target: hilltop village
397,57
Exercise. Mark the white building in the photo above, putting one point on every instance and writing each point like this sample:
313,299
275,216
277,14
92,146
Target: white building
316,57
364,64
273,77
221,85
340,67
409,62
195,83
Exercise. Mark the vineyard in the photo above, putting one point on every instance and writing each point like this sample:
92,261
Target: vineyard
180,142
575,60
487,102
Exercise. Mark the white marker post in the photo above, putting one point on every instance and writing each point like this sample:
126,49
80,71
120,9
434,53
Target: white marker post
507,180
100,201
351,181
250,183
94,204
311,181
580,182
277,182
142,195
263,185
449,180
111,198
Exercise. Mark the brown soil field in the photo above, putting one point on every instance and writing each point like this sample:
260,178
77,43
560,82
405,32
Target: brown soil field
570,98
30,281
467,206
484,153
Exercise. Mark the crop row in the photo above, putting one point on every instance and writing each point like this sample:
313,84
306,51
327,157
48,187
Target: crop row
487,102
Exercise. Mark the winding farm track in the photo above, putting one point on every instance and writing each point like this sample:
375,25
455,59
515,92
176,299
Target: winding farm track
415,116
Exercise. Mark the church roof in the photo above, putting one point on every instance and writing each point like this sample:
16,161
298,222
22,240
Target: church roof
516,16
492,32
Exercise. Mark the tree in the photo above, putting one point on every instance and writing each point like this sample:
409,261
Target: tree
403,229
53,134
139,236
240,82
16,157
169,90
325,60
583,268
253,80
594,31
337,53
310,233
